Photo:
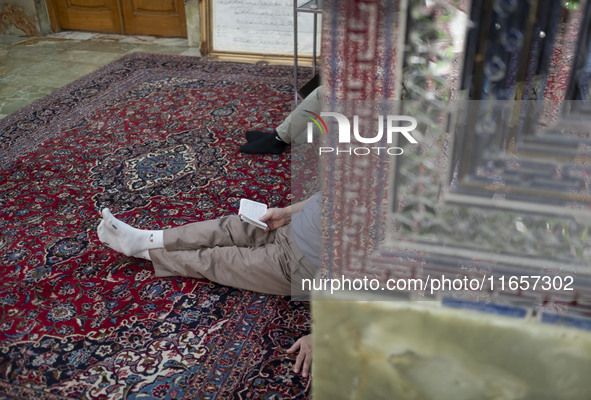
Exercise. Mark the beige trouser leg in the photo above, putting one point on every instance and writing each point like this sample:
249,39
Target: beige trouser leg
230,252
294,128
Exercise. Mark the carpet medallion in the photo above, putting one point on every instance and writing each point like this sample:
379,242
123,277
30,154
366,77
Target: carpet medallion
154,138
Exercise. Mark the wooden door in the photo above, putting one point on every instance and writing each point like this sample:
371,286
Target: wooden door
89,15
132,17
154,17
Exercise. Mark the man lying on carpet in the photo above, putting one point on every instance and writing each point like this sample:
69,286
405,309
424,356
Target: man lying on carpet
291,130
232,252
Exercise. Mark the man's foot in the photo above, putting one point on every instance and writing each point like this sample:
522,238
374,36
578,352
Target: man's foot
271,144
126,239
253,136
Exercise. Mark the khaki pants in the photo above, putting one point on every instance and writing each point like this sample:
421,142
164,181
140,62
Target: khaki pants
233,253
295,127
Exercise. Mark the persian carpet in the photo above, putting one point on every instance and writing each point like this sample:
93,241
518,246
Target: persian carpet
154,138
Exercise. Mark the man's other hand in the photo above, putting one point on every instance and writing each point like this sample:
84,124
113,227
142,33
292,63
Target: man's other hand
304,358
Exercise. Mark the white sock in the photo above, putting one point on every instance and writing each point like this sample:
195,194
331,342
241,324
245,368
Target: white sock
126,239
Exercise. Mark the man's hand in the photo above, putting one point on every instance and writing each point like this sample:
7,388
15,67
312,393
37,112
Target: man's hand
304,358
276,217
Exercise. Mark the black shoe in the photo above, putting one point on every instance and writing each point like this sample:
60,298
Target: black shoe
271,144
253,136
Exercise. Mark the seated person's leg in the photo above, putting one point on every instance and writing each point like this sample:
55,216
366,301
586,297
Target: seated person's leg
292,129
225,231
263,269
226,250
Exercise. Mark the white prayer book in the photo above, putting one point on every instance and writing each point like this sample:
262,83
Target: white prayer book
251,211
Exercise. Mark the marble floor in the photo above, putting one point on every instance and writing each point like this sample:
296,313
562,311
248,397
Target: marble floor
32,67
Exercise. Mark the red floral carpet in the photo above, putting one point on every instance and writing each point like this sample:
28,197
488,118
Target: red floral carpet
155,138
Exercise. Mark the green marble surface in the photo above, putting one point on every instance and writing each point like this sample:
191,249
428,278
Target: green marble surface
193,22
420,350
31,68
